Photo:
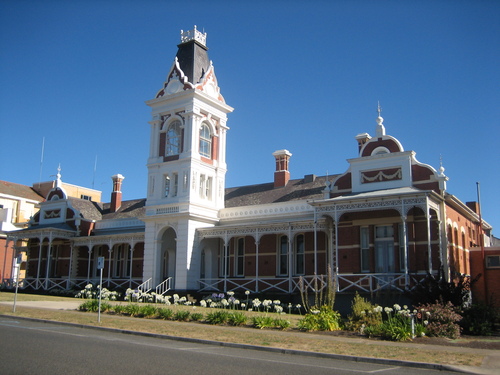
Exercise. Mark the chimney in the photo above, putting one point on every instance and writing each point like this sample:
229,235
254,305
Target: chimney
362,139
116,195
281,175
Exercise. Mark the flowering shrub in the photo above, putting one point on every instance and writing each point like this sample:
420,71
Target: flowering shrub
363,314
442,319
89,292
324,319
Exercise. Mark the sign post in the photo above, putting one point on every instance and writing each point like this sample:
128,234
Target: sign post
19,260
100,266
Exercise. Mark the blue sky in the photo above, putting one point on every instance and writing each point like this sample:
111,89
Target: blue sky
304,76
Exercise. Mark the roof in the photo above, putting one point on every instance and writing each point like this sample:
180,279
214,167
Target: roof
18,190
90,210
307,188
129,209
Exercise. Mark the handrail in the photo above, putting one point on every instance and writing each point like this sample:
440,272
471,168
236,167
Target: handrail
164,286
145,286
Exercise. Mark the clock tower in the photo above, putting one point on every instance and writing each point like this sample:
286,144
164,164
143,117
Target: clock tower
186,164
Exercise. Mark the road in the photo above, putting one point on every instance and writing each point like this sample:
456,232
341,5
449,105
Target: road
49,348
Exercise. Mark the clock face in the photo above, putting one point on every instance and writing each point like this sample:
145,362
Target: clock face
173,86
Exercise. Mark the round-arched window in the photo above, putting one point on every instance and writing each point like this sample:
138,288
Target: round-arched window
205,141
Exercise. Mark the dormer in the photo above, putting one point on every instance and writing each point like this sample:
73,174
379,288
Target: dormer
384,164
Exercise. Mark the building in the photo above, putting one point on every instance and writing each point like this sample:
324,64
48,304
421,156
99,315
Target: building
383,224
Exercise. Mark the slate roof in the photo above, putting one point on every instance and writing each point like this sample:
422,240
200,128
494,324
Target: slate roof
18,190
100,211
129,209
308,188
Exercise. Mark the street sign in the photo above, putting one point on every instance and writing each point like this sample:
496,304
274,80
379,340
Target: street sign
100,263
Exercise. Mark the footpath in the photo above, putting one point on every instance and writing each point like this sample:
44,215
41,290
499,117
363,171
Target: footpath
490,365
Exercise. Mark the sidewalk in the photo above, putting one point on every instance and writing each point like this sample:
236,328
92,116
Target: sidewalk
490,365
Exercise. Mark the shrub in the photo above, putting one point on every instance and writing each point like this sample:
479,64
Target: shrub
92,305
281,323
324,319
165,313
118,309
437,288
237,319
132,310
196,317
264,321
218,317
441,318
363,314
148,311
479,319
181,315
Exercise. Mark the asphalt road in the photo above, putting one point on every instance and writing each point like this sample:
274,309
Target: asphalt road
45,348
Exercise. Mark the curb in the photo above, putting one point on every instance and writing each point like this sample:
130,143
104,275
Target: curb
381,361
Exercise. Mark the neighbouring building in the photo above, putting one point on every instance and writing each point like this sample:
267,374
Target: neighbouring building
384,223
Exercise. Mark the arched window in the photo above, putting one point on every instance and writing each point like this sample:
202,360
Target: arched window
167,186
205,141
173,141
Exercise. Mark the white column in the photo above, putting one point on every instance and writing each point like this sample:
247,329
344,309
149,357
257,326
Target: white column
405,247
429,247
257,242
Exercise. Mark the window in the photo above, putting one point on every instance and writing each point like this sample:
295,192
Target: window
224,261
122,262
493,261
365,249
86,197
176,184
173,143
208,188
283,256
202,186
185,181
167,186
239,257
205,141
299,255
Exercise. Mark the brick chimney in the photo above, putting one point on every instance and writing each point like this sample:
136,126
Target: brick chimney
116,195
362,139
281,175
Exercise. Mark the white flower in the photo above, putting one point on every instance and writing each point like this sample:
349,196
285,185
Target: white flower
203,303
397,307
247,292
231,293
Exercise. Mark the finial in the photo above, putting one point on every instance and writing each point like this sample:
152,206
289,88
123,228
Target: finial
380,126
441,168
58,176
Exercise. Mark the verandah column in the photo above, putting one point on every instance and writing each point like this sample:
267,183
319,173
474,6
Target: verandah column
131,255
429,247
257,242
290,258
68,281
405,248
40,249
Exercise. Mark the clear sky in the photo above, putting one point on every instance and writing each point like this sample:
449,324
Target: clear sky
304,76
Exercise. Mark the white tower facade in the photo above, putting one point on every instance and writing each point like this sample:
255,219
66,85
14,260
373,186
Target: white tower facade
186,164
